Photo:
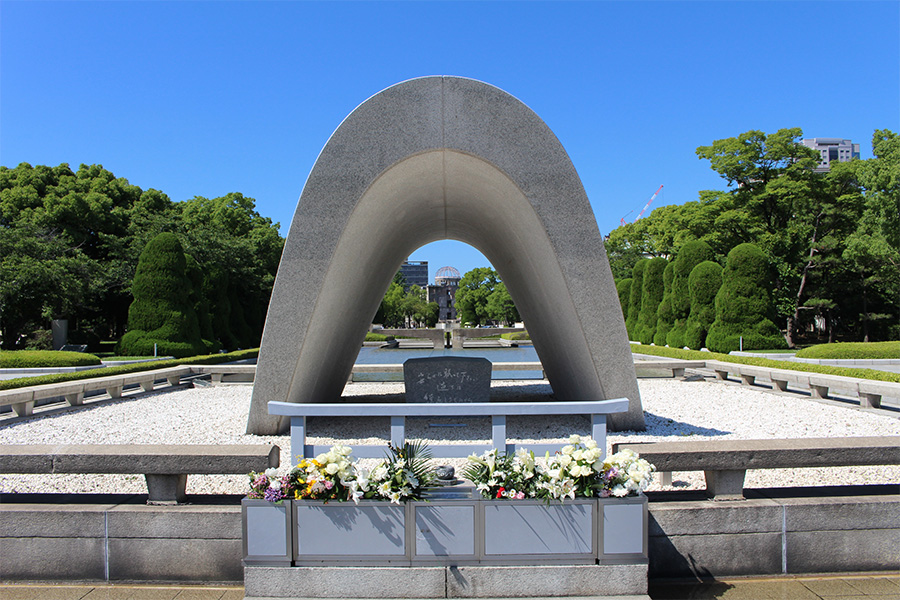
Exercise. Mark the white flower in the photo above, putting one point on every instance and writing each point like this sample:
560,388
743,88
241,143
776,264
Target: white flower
379,473
271,472
275,484
575,439
589,443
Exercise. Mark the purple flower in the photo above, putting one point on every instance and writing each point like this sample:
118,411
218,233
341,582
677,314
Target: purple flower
273,495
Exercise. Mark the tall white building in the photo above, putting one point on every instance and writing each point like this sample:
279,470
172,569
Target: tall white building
832,149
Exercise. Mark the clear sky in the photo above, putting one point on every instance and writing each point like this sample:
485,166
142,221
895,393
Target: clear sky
206,98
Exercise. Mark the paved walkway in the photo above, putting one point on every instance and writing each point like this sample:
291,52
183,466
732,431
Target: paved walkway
825,587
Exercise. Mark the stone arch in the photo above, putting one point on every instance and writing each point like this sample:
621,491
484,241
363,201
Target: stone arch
442,158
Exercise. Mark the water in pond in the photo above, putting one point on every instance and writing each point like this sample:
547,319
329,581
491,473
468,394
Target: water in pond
396,356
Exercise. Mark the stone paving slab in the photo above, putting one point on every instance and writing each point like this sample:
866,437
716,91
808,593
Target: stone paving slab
825,587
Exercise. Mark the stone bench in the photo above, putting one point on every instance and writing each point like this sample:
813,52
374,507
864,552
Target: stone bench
725,462
165,467
22,400
398,412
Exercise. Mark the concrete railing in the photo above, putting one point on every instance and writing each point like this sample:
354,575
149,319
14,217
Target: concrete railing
459,335
22,400
819,385
438,336
869,392
398,412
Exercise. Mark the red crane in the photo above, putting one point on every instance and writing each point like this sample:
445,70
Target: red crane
646,206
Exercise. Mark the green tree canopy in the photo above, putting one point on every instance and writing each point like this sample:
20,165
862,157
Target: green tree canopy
90,227
473,293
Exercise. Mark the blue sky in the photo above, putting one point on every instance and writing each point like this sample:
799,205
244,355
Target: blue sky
206,98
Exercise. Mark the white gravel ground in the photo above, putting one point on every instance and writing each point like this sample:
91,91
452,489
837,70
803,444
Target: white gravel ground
674,409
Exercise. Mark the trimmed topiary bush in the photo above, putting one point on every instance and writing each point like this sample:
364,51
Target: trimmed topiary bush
704,284
634,298
744,305
650,298
623,288
162,313
689,256
853,350
664,314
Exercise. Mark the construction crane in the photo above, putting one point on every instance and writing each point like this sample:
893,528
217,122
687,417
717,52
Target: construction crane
646,206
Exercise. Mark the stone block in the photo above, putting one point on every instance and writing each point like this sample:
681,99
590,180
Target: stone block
705,517
177,522
843,551
345,582
711,555
545,581
57,558
174,560
842,513
53,520
447,379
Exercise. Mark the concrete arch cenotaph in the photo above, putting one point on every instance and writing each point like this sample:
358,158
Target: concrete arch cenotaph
430,159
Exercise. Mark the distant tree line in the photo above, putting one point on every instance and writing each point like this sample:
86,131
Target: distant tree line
824,245
481,298
406,306
70,244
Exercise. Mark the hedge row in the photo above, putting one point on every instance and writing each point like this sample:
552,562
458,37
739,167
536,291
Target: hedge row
208,359
378,337
517,335
765,362
30,359
853,350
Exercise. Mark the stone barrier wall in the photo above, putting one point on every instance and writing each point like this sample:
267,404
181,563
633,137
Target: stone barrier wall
123,539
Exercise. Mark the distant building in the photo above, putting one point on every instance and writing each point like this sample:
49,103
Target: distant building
832,149
446,282
415,273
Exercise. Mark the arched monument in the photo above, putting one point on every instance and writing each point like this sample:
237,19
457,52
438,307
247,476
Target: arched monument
430,159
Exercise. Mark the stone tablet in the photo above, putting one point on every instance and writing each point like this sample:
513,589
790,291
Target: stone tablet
447,379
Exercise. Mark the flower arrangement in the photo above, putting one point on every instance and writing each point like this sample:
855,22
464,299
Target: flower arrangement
499,475
403,475
269,486
334,475
576,470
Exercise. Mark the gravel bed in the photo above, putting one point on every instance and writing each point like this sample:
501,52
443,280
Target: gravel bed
674,409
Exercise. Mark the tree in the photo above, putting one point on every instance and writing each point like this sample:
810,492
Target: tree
162,318
744,305
704,283
873,249
689,256
634,300
651,296
475,288
240,250
796,215
664,315
500,305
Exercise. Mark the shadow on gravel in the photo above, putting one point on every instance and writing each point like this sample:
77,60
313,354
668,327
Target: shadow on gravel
657,426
